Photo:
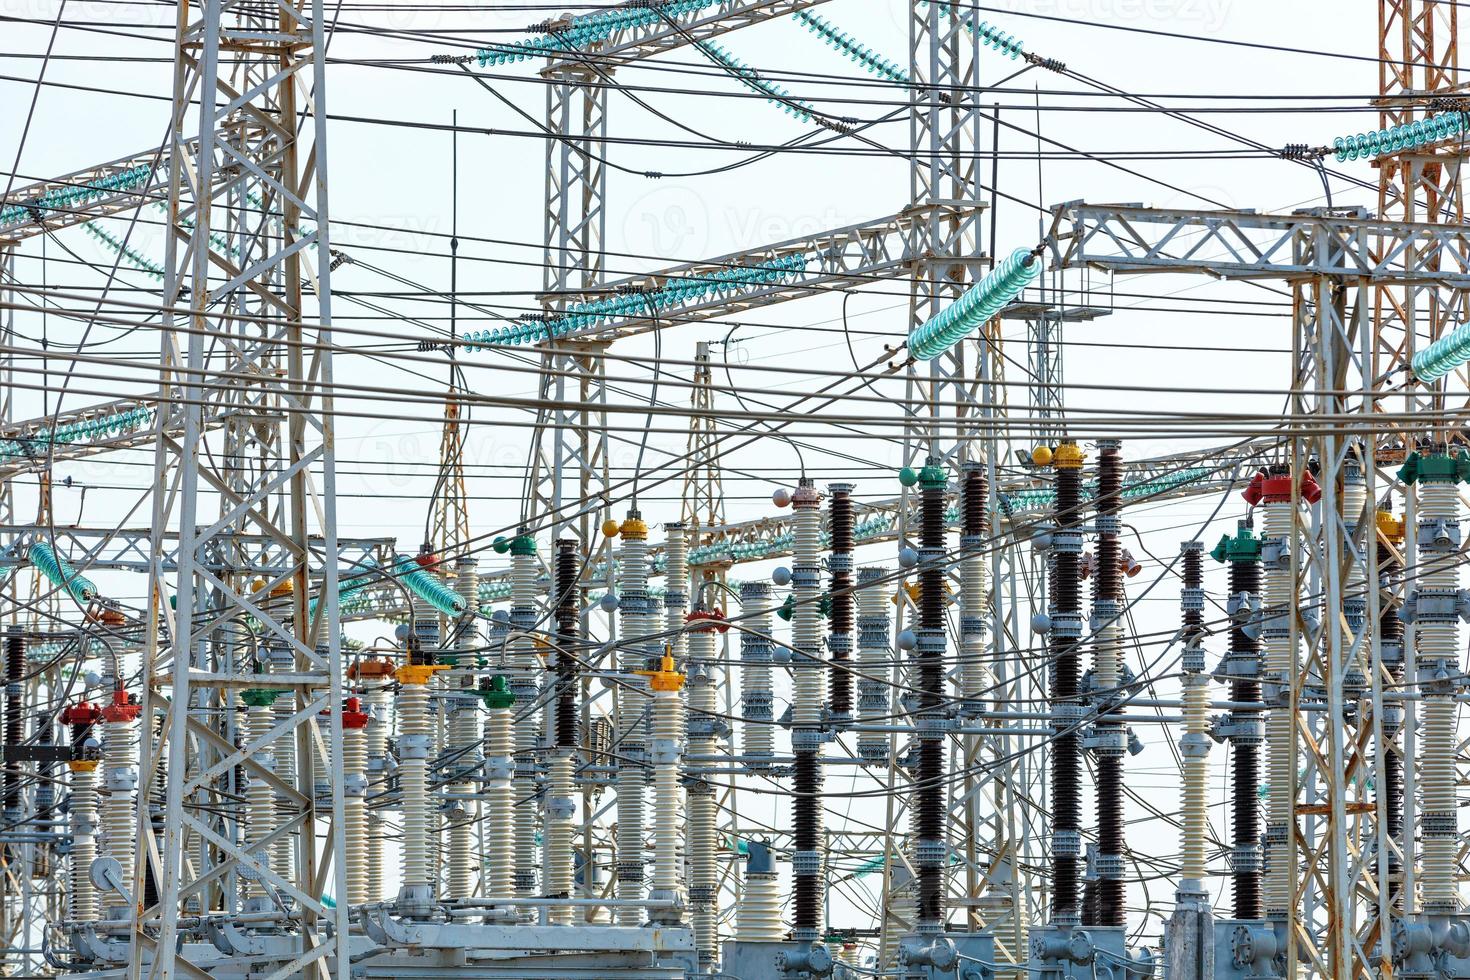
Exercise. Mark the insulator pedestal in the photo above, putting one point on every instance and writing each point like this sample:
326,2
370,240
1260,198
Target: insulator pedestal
758,916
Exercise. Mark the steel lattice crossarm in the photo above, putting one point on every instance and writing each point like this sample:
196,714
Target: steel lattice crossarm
1249,245
728,284
128,549
84,195
644,31
126,423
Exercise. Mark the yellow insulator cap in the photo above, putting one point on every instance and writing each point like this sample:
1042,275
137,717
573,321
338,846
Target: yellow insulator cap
666,678
1069,456
82,765
257,584
285,588
610,528
634,529
1041,456
1390,527
417,673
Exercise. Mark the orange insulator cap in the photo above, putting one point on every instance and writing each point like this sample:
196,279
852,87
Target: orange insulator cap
121,709
370,668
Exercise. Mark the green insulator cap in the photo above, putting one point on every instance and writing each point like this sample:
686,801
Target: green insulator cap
787,608
258,698
1409,472
908,476
1444,469
498,695
1439,468
501,545
523,544
825,606
933,477
1244,546
449,659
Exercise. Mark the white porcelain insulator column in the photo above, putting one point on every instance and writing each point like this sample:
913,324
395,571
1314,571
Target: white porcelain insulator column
464,812
630,707
354,810
376,740
1280,658
500,827
676,589
757,730
524,684
1194,826
758,914
82,898
260,797
703,837
413,750
1437,653
558,836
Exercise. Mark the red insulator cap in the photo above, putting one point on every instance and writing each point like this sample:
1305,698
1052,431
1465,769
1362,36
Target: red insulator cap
81,713
1276,489
715,618
1311,492
352,714
121,709
1127,565
1253,490
427,559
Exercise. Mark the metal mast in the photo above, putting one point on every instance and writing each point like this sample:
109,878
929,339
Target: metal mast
704,494
239,316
